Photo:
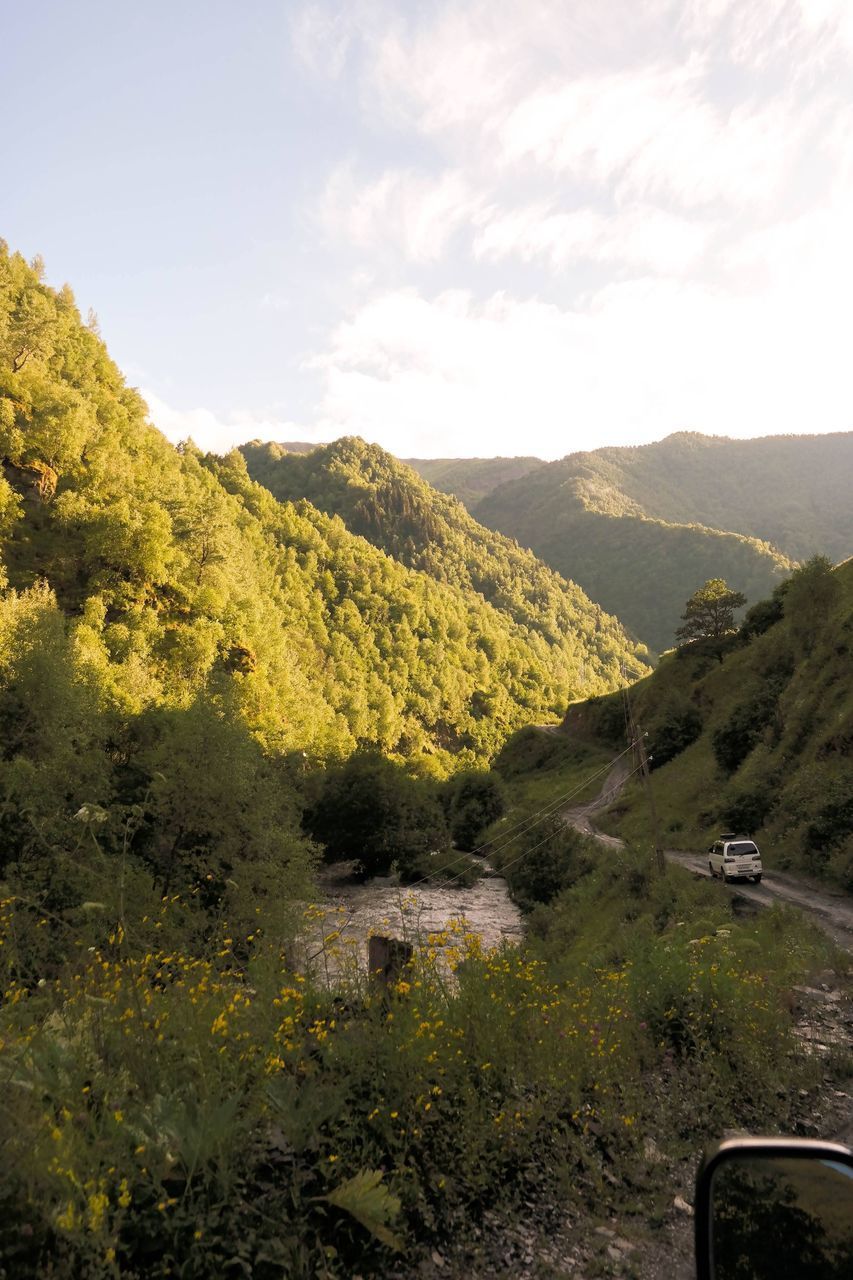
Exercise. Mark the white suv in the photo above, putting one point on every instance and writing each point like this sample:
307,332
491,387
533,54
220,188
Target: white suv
735,858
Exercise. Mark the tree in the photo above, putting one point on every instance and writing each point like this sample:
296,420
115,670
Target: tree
710,614
372,810
476,799
811,595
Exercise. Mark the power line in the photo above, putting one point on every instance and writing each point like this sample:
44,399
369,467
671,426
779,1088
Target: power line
575,791
538,845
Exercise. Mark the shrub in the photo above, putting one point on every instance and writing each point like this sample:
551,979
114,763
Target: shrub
734,740
374,811
476,799
677,724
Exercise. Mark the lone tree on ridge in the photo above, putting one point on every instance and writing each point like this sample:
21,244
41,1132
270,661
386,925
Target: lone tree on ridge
710,614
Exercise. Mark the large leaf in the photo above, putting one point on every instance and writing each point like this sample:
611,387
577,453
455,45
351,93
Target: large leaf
370,1203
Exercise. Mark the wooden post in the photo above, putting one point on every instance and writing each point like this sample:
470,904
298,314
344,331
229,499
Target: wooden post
645,772
386,958
637,740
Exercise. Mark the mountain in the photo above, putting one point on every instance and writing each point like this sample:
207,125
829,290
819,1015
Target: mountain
148,580
640,528
760,742
389,504
470,479
791,491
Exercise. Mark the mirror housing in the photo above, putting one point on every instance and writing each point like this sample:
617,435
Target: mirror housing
771,1207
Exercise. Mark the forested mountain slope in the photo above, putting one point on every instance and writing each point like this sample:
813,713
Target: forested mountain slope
170,570
638,563
795,492
760,743
470,479
389,504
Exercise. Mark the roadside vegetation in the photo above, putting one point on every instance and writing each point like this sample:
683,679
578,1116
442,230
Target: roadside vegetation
181,1100
759,742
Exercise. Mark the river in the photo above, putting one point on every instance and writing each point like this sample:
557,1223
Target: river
350,913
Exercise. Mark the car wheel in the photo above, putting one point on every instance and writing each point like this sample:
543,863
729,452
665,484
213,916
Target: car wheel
757,878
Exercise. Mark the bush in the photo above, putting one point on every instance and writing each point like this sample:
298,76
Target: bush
764,615
374,811
749,809
734,740
540,864
476,799
833,822
677,724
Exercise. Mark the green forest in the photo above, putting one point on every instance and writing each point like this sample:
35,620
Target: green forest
391,506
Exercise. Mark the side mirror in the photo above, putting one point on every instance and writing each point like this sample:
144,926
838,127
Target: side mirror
775,1209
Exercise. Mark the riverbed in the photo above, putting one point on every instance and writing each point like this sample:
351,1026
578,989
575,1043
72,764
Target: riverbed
338,927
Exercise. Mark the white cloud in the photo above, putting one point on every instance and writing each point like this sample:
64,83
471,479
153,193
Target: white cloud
415,214
679,168
642,238
322,38
217,433
450,376
654,133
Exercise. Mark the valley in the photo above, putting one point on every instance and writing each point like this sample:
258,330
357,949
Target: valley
257,706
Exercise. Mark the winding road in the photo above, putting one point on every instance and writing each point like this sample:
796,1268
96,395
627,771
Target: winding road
831,910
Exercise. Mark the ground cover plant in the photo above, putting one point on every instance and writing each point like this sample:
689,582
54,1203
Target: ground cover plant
201,1107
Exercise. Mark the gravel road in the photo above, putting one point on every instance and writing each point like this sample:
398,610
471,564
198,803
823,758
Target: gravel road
831,909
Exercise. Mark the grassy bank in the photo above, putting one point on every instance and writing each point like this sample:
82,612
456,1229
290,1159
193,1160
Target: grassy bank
209,1112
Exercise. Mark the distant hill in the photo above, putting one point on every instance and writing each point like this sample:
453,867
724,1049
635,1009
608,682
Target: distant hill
795,492
388,503
761,743
640,528
470,479
293,446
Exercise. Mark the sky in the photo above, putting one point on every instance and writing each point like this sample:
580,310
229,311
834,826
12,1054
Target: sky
453,228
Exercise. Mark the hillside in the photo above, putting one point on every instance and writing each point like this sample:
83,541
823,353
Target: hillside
470,479
169,630
761,742
639,559
794,492
387,503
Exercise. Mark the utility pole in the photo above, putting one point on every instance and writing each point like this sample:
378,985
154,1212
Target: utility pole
637,740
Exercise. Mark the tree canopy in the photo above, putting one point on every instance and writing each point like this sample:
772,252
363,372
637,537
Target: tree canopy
710,613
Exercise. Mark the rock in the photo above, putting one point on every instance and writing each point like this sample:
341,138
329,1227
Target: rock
651,1152
437,1258
35,481
682,1206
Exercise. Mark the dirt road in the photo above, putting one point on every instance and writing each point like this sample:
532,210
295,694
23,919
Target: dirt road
831,910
